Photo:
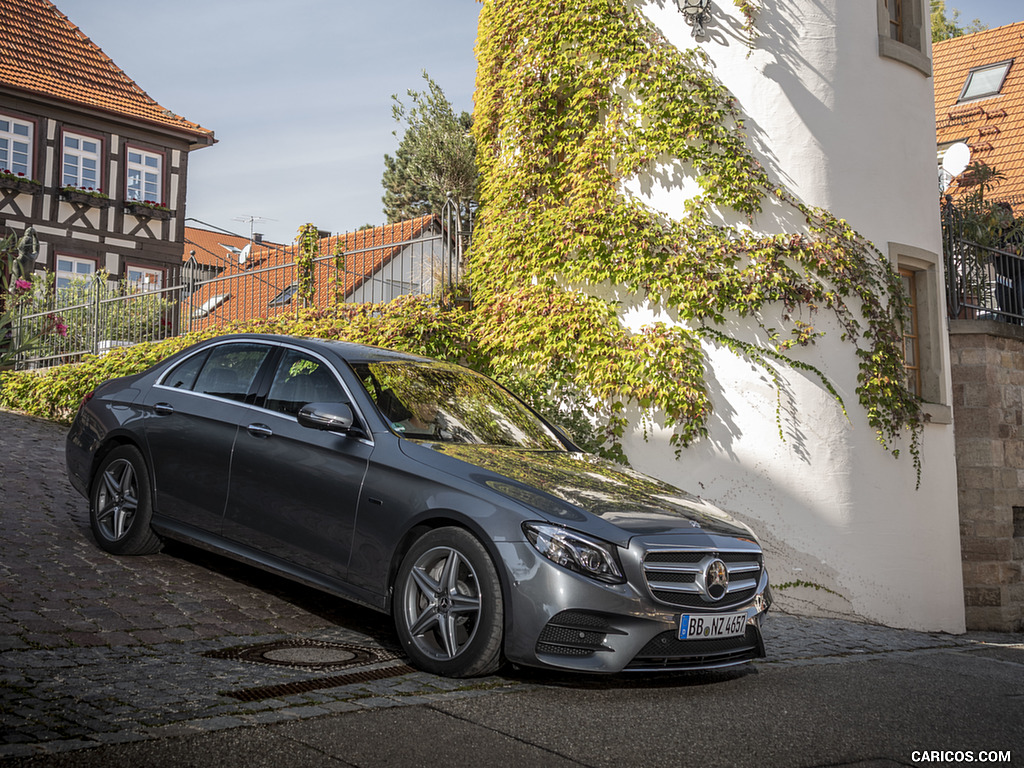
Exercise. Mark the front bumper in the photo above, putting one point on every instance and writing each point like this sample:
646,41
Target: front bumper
560,619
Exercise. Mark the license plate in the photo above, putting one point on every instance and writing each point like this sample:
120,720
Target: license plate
712,626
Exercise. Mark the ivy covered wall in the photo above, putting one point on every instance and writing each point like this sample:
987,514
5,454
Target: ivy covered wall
576,101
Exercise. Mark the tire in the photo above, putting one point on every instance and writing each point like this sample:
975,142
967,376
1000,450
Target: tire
448,608
121,504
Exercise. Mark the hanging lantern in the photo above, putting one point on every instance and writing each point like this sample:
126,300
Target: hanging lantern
697,13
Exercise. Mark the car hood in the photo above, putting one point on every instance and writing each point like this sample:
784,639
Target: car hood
575,488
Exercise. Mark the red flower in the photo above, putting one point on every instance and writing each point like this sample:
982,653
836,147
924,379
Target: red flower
57,325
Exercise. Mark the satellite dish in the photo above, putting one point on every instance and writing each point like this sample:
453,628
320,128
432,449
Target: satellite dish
956,158
243,255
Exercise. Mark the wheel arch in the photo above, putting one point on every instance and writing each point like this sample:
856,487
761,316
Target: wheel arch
110,444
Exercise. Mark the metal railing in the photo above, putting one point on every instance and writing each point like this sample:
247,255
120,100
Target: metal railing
372,265
982,282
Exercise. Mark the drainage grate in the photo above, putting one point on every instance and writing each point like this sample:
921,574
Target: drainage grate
305,686
299,653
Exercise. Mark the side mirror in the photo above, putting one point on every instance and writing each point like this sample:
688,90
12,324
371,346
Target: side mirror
328,417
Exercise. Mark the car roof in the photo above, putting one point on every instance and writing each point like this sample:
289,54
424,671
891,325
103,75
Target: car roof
347,350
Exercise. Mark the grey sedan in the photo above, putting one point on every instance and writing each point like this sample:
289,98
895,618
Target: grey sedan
424,490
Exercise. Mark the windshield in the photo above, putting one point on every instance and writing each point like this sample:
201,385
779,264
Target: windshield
441,402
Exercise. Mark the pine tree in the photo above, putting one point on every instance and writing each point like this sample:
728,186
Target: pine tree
436,157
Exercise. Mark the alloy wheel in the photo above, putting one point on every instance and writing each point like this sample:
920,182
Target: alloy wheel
117,500
442,603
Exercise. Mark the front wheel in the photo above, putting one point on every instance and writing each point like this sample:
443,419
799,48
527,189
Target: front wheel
448,608
122,504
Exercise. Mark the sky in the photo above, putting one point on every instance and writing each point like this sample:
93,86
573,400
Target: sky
991,13
298,93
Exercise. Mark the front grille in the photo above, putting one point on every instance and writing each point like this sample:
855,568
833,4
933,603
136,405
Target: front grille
576,633
698,601
676,577
667,651
675,556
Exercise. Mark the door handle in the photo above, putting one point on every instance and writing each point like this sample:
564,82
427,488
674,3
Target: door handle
260,430
163,409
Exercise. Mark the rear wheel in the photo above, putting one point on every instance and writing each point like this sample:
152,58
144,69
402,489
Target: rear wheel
121,505
448,608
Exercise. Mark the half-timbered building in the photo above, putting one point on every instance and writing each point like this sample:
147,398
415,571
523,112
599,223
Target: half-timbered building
87,158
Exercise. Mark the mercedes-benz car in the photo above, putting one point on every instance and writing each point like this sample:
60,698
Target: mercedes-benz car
424,490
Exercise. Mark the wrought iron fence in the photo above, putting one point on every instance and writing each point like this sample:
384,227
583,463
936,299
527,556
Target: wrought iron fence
982,282
424,256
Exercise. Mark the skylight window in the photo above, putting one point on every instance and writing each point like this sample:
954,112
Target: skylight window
210,305
985,81
284,297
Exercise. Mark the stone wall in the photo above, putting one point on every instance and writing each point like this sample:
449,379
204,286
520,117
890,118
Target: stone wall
988,414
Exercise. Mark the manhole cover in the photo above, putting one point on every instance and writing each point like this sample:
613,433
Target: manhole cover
309,656
305,654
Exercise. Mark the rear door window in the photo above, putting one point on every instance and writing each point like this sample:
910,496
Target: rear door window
183,376
230,370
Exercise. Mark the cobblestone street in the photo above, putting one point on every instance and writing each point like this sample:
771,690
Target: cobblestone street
101,649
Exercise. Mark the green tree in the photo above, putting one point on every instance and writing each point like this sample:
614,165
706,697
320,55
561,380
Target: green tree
947,27
436,157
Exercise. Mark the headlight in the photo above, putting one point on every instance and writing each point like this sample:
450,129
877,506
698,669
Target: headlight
575,551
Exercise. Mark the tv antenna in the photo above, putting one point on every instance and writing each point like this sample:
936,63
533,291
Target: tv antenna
252,220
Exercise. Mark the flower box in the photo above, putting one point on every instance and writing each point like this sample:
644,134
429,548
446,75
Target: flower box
19,184
93,198
148,210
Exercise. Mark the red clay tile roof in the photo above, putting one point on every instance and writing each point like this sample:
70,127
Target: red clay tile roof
210,247
993,127
42,52
250,288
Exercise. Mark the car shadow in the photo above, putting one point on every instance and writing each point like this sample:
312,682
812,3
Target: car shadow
624,681
332,609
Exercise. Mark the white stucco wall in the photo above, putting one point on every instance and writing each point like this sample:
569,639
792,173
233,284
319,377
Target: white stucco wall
846,130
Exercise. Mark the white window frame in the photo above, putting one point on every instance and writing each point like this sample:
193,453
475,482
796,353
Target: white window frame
81,162
144,180
73,268
144,279
10,139
965,93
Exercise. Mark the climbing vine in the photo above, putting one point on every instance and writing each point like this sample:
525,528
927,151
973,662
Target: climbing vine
308,240
574,101
749,9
